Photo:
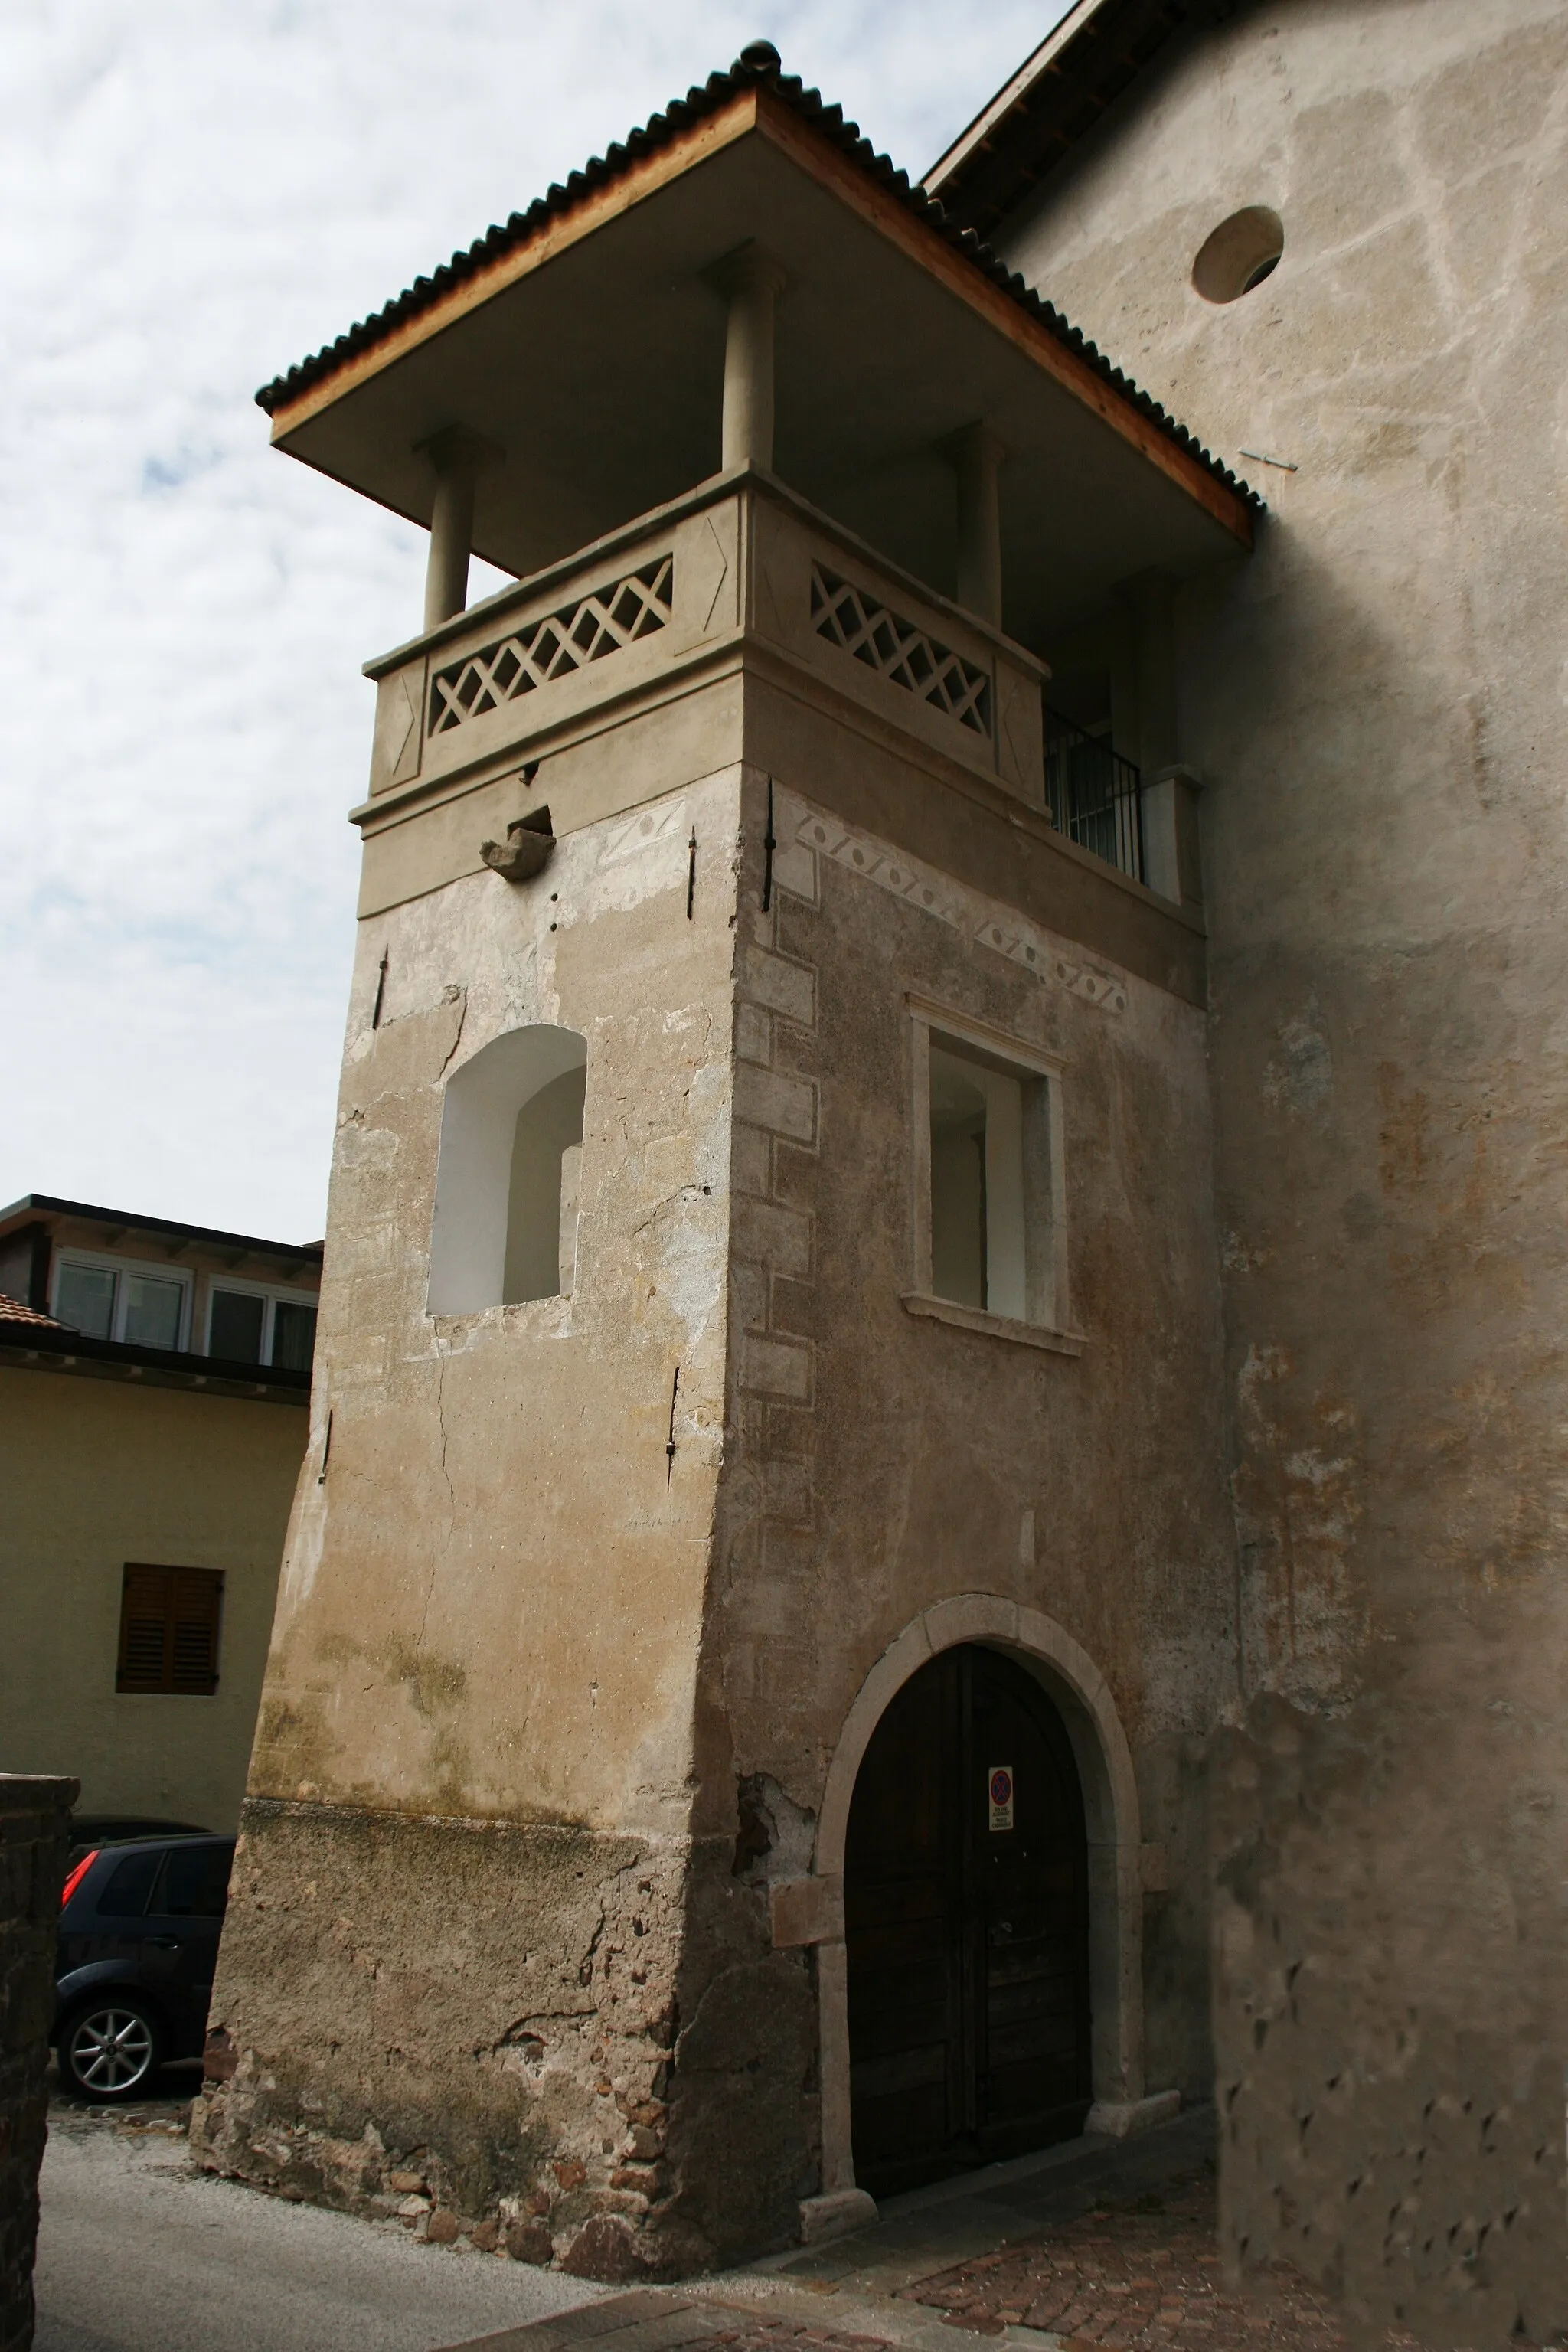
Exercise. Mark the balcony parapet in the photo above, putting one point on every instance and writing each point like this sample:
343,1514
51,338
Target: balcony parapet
740,561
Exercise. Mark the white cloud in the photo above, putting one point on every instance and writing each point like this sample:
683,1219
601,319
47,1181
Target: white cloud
191,198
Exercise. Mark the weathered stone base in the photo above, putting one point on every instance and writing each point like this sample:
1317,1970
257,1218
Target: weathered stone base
581,2046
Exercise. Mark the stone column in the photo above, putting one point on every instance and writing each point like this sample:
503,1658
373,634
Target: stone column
976,455
35,1833
751,282
458,457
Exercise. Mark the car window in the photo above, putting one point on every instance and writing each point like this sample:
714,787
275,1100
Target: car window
193,1881
128,1884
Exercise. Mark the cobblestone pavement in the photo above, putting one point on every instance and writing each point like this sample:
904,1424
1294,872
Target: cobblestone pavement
1141,2278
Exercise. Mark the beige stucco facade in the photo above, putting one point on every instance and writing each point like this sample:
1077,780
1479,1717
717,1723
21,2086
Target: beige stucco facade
97,1473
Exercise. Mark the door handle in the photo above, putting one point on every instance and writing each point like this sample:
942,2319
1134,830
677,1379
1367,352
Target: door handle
165,1943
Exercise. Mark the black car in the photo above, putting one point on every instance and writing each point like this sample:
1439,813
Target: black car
138,1943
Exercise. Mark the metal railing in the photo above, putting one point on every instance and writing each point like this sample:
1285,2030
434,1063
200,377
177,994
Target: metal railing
1094,796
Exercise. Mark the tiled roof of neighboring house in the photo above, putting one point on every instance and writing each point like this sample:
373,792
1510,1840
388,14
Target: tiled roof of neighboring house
13,1311
757,67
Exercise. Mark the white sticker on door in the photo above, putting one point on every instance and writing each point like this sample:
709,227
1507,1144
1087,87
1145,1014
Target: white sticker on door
1001,1792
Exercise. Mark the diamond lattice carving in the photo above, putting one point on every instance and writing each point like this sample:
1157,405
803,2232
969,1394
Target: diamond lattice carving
852,618
563,641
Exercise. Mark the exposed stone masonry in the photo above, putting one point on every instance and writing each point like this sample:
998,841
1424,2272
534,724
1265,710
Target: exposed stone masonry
588,2040
34,1829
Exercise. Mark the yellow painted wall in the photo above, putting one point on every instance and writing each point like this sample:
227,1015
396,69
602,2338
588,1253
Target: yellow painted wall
95,1473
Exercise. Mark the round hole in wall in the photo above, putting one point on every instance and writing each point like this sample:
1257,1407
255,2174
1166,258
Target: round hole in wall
1239,254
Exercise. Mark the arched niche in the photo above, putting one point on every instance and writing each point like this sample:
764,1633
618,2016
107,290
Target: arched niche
506,1186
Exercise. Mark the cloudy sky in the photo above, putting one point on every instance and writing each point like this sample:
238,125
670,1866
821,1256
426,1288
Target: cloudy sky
192,194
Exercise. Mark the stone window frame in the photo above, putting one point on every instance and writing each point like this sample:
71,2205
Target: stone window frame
1030,1061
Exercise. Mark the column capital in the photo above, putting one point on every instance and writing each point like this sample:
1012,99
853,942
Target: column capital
974,444
457,449
748,268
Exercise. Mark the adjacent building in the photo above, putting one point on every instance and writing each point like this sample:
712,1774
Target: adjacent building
153,1381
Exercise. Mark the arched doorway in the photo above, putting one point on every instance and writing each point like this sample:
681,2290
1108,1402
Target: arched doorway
967,1919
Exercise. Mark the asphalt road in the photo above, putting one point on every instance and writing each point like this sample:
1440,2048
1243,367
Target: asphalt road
140,2252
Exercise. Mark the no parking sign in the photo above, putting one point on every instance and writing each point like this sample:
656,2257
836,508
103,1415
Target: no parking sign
1001,1792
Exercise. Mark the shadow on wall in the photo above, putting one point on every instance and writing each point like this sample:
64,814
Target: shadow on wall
1394,2132
506,1189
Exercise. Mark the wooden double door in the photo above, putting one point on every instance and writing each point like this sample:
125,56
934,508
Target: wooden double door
966,1910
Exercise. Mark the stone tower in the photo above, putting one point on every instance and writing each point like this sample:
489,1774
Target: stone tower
767,1495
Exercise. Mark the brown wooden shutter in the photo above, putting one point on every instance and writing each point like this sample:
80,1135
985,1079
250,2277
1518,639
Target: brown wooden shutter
169,1624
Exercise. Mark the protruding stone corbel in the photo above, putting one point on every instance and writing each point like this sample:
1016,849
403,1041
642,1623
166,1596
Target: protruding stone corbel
976,457
526,851
459,459
750,281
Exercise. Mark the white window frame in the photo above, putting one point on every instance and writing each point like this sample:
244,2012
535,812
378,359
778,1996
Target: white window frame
1025,1061
271,1292
102,1261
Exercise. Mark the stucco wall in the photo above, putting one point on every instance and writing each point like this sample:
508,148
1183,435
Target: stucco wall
1374,707
488,1607
484,1664
881,1462
96,1473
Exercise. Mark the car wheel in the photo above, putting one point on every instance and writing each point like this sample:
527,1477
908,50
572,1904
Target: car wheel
110,2049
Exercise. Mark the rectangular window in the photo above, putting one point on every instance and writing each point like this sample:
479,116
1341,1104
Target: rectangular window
990,1223
293,1334
235,1326
84,1299
249,1325
123,1300
152,1314
169,1619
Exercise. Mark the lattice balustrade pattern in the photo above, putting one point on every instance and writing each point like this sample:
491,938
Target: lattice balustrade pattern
898,650
547,649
